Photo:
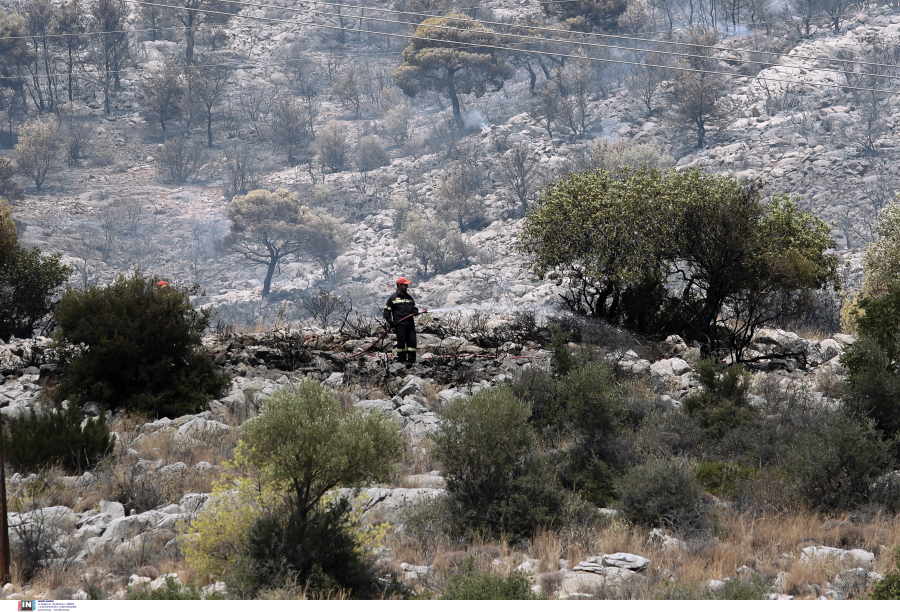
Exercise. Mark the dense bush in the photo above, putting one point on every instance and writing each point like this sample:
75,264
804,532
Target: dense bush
722,404
304,444
663,493
723,478
872,387
140,348
889,588
594,410
470,584
55,437
496,481
318,551
836,469
744,261
169,591
28,281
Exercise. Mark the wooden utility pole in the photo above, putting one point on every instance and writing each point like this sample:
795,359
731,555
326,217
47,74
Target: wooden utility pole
4,518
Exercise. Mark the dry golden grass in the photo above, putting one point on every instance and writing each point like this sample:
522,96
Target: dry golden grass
767,544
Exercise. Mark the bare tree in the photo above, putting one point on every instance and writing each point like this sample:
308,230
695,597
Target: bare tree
870,82
697,95
240,172
164,89
207,84
71,21
644,80
194,14
111,18
332,146
180,160
40,21
347,91
520,170
289,129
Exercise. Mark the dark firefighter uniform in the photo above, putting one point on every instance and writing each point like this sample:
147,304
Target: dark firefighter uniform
400,307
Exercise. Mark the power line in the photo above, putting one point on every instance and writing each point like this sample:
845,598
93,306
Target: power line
532,51
569,32
572,42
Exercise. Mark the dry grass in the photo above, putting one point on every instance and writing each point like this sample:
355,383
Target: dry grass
768,544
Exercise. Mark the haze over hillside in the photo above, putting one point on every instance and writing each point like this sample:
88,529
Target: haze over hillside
803,100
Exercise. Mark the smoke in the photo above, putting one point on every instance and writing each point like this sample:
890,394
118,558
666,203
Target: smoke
729,31
475,117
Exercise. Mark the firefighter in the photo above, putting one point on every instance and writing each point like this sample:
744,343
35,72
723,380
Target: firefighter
400,316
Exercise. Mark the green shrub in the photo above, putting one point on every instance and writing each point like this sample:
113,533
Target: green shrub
722,405
836,468
593,410
722,478
470,584
28,281
663,493
496,481
307,443
562,361
317,550
169,591
537,387
872,387
889,588
141,348
55,437
737,589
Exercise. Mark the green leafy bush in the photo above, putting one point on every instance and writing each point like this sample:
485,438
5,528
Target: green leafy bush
537,387
722,405
889,588
141,348
663,493
28,281
593,408
317,550
738,589
306,443
470,584
55,437
836,468
723,478
496,481
872,387
169,591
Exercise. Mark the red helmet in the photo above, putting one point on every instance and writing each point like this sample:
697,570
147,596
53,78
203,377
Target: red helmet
162,284
402,281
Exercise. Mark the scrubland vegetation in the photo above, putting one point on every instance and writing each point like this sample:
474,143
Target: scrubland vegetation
202,203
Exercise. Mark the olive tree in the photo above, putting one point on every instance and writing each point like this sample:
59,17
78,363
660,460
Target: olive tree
309,441
678,252
882,259
38,145
445,56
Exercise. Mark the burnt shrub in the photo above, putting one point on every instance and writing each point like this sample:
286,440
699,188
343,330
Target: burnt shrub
54,436
140,348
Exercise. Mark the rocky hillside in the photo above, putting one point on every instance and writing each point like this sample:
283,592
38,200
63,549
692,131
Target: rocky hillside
113,531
